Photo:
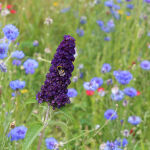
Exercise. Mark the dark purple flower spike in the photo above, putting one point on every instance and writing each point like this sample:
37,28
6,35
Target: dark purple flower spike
54,91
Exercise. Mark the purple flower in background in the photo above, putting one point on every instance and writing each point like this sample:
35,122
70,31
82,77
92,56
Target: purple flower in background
72,93
121,143
83,20
17,133
119,1
117,96
91,86
16,84
145,65
117,7
3,67
134,120
110,24
100,23
128,0
51,143
54,91
35,43
147,1
64,10
123,77
109,81
107,38
110,113
97,80
130,6
109,4
3,50
30,65
105,68
16,62
80,32
18,54
11,32
131,92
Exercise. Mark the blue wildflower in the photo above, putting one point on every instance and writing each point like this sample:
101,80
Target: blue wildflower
110,24
100,23
105,68
131,92
117,7
51,143
18,54
109,81
145,65
11,32
91,86
30,65
83,20
121,142
107,38
119,1
35,43
16,62
97,80
13,94
64,10
16,84
115,14
80,32
3,50
109,4
147,1
117,96
130,6
134,120
3,67
17,133
123,77
110,113
72,93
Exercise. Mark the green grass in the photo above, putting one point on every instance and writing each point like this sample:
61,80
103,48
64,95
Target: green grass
128,43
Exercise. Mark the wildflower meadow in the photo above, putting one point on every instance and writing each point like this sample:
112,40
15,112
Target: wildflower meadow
75,75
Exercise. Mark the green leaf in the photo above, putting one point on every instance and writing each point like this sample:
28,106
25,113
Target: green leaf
31,134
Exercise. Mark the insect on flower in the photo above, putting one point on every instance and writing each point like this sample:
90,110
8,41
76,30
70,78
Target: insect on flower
13,125
60,71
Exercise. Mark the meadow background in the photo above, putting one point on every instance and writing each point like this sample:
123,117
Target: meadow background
129,44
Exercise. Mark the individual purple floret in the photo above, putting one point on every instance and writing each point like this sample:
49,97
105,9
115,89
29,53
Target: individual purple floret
11,32
30,65
51,143
18,54
3,50
17,133
134,120
54,91
16,85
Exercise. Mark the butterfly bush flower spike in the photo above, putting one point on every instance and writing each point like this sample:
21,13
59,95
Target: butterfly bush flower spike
54,91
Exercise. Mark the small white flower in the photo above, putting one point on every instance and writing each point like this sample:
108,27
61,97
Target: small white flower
5,12
115,90
47,50
102,146
48,21
97,126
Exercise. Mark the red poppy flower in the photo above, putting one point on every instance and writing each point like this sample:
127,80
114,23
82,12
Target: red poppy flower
138,93
12,11
89,93
131,131
9,6
100,89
